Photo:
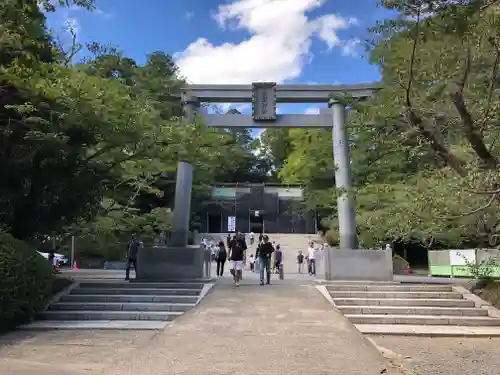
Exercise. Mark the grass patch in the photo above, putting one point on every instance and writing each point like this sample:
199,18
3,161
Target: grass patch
490,293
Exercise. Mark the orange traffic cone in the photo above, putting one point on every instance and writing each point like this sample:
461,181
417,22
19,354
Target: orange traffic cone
75,267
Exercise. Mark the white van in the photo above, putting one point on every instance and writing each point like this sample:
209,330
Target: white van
59,257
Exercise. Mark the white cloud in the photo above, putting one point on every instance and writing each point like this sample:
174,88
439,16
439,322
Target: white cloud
279,46
351,48
104,14
71,25
326,26
188,16
312,111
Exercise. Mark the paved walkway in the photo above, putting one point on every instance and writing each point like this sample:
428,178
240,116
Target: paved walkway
277,329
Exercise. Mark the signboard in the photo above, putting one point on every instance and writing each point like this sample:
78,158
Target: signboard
257,213
458,257
231,224
264,101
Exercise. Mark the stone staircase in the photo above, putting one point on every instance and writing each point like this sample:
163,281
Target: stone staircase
394,308
112,304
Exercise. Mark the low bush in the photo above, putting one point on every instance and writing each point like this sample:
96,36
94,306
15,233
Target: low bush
489,291
26,282
399,264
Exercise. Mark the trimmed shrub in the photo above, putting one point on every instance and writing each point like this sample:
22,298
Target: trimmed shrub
26,282
400,265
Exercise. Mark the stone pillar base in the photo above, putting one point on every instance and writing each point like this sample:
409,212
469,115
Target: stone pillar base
170,263
358,264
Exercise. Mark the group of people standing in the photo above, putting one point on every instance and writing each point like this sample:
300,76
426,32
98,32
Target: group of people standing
313,253
269,257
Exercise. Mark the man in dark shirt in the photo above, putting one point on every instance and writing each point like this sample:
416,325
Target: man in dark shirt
265,251
132,250
237,254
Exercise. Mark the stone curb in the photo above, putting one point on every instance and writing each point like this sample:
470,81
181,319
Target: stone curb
428,331
62,293
322,289
354,282
493,312
204,291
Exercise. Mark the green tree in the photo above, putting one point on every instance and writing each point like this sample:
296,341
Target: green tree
439,100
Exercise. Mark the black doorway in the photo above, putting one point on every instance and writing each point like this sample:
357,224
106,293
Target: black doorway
214,223
256,222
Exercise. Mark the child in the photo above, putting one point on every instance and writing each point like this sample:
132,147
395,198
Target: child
251,261
300,262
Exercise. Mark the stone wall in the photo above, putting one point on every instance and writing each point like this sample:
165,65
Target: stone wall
358,264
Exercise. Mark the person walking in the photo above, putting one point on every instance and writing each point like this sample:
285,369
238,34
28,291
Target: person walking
300,262
311,257
252,238
278,258
265,251
132,250
237,254
273,258
221,257
228,240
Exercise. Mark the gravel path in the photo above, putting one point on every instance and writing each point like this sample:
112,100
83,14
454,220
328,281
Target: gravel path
445,356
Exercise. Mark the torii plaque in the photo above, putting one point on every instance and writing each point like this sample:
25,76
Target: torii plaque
264,101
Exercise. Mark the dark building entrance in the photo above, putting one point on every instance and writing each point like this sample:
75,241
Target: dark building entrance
247,207
256,220
214,223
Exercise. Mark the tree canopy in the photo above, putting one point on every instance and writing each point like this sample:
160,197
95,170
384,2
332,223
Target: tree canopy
425,147
91,146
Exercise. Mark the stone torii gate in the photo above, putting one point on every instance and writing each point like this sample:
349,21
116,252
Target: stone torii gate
348,262
264,96
180,261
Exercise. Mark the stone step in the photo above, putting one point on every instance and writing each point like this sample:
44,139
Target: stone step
403,302
117,306
134,285
123,298
96,324
423,320
378,294
412,310
389,288
327,283
428,331
108,315
137,291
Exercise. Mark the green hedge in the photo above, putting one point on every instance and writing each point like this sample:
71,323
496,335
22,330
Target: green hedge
26,282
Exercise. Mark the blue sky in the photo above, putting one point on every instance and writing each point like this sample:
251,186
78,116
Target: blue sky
238,41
